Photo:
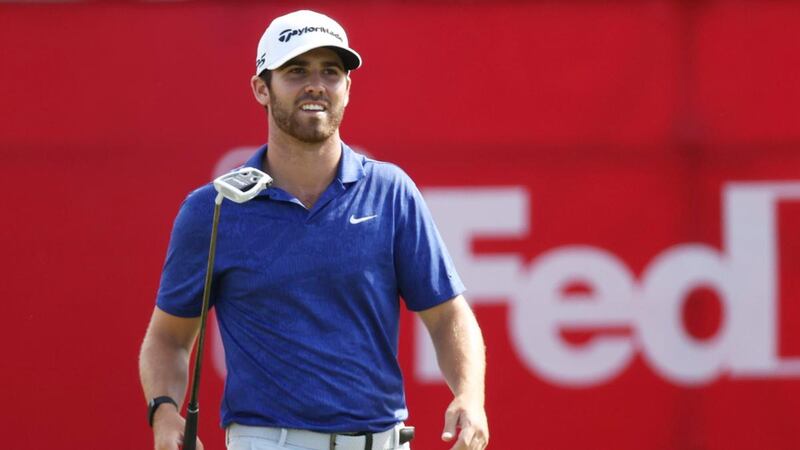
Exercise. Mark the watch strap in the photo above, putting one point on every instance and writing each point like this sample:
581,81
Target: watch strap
153,405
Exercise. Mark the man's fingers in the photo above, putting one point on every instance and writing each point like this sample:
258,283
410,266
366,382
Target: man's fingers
463,442
470,438
198,443
479,439
477,443
467,437
450,421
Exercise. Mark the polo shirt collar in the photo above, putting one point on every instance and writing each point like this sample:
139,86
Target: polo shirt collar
351,165
257,160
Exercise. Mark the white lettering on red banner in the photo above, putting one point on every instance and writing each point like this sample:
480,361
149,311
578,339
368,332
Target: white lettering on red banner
743,273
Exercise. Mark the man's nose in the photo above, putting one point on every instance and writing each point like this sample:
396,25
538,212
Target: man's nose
315,85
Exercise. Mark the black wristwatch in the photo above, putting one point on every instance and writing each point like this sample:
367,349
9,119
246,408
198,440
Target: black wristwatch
153,405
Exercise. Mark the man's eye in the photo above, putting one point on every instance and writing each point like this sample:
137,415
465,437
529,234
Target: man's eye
296,70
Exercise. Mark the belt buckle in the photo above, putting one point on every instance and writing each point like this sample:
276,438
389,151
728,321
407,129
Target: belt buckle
367,440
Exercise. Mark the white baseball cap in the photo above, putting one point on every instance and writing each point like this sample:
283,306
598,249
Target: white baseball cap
298,32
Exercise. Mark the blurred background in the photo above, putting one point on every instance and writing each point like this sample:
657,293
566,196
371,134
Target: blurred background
618,181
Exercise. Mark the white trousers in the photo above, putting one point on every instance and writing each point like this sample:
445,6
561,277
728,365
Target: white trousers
241,437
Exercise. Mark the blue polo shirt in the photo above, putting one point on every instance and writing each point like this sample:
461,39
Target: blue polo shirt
307,301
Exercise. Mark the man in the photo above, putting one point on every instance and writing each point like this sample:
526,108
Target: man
308,277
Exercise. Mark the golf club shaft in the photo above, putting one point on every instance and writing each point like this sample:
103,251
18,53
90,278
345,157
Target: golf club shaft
192,411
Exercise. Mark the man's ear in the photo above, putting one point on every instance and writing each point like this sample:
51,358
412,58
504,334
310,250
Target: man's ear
347,90
260,90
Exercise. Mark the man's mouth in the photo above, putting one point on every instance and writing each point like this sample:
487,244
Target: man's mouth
313,107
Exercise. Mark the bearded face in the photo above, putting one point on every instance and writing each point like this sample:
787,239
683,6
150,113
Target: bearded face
308,94
309,118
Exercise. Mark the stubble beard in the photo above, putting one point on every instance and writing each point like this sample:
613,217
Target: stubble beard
314,132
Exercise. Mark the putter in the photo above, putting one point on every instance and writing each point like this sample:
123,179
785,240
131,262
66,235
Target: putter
239,186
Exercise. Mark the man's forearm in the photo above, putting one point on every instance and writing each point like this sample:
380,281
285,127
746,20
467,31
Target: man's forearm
460,351
164,358
163,369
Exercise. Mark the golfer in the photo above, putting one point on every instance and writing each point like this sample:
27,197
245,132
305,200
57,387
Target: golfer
309,276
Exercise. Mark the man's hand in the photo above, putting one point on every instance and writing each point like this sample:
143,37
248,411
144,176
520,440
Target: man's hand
168,426
470,418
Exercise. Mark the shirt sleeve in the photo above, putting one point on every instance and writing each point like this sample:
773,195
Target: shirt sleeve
180,292
425,271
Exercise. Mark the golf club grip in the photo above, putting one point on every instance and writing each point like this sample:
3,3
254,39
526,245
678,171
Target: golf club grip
190,432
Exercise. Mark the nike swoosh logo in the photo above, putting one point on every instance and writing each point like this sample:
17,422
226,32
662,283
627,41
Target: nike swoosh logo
354,220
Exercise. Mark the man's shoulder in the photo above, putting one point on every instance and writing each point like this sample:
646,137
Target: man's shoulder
201,195
199,202
384,171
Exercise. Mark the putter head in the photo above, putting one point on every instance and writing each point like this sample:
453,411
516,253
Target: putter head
242,184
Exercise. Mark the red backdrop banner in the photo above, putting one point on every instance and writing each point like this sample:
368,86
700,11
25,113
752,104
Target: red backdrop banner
619,183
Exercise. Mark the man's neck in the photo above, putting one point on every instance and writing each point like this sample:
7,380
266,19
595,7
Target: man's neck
302,169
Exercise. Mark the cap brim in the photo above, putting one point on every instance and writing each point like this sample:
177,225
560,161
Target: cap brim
350,58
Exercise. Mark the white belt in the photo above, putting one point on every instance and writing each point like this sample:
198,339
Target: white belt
385,440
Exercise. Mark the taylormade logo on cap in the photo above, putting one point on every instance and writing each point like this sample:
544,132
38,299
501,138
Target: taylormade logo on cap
286,35
299,32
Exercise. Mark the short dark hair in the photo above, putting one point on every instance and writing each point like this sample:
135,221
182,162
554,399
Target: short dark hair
266,75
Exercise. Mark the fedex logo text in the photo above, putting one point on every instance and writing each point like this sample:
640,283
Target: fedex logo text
743,274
